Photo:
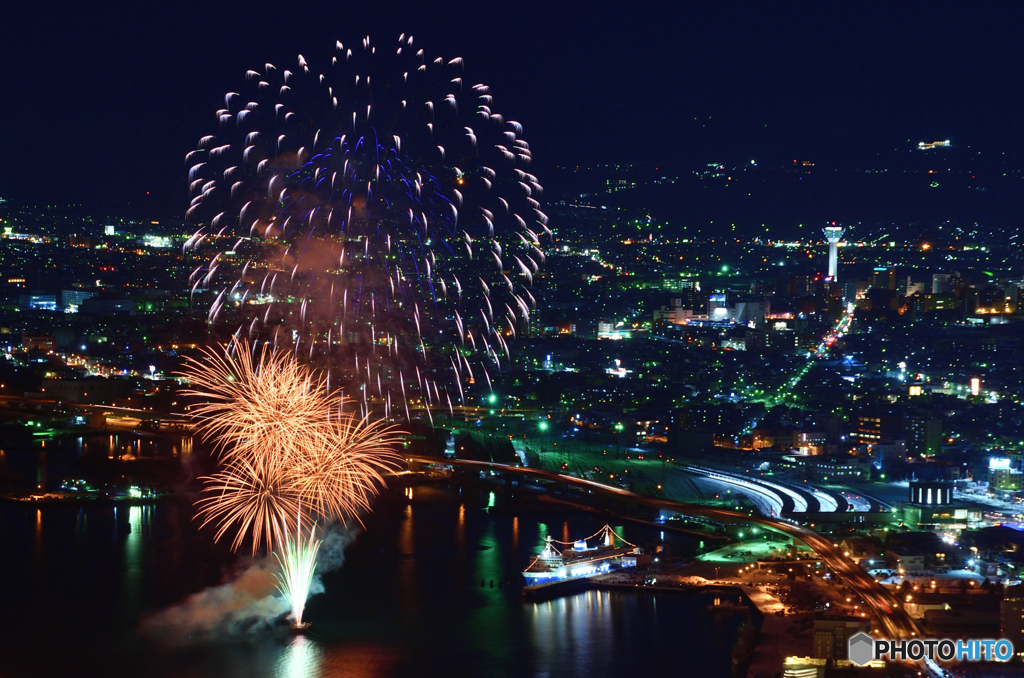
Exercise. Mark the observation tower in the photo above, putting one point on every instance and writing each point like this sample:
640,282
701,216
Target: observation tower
833,234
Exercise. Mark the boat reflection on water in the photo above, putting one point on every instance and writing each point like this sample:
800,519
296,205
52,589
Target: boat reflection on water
568,631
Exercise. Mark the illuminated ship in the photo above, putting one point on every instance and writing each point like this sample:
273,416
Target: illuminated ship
582,561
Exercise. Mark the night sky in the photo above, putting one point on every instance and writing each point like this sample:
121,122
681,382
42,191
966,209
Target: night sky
101,101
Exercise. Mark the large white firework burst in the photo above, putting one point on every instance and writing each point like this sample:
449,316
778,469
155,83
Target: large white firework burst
376,214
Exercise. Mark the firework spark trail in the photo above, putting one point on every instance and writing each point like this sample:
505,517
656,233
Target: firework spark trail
297,558
288,452
379,212
256,497
245,603
265,399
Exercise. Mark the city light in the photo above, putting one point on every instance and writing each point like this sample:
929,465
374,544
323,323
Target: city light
808,365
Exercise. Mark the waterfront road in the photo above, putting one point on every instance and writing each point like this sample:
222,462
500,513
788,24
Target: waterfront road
891,620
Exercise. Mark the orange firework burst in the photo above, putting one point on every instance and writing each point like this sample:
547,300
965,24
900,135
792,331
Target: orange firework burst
257,403
287,448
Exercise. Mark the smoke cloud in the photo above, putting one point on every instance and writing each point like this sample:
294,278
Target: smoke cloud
249,602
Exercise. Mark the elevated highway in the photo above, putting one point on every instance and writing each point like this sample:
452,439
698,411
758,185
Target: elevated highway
794,499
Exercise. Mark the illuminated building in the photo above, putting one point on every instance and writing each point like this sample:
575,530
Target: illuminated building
1011,616
930,493
815,667
750,312
38,302
888,450
810,442
938,302
835,469
42,343
607,329
766,438
924,436
874,427
884,278
675,314
869,428
1001,477
782,341
913,288
73,298
718,308
688,288
994,300
953,517
157,241
945,283
833,234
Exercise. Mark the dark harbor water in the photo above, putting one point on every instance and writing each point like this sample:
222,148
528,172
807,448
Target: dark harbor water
108,463
408,600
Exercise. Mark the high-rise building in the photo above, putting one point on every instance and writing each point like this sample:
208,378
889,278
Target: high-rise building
944,283
924,436
871,428
883,278
799,286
